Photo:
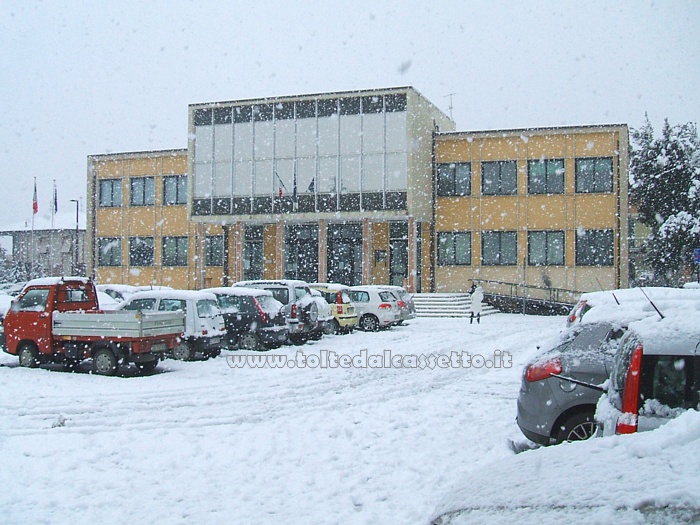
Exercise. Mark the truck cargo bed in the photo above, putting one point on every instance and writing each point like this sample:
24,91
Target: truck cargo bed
125,324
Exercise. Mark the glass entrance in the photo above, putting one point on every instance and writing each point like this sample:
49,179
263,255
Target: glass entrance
345,253
398,253
301,252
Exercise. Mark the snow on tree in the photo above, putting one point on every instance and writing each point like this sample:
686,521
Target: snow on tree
665,188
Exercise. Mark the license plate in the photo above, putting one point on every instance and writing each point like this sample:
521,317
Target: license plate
215,340
281,337
159,347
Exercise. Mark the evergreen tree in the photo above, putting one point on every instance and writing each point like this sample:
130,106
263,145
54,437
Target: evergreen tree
666,190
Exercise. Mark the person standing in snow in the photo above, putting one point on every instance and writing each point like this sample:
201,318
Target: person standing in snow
477,298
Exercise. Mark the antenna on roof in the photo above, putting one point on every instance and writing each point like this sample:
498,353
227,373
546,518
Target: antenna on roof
603,289
449,108
652,303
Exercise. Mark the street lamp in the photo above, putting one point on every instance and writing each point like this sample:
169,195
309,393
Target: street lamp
74,271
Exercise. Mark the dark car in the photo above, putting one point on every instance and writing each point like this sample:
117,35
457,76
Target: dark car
253,317
551,409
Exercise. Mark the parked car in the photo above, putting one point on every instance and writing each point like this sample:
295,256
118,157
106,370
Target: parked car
300,311
121,292
633,298
324,325
406,305
254,319
377,308
550,409
342,309
204,324
656,374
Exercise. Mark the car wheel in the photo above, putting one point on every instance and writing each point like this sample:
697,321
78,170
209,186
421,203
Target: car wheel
249,341
298,339
28,356
104,362
577,428
335,327
215,353
147,366
369,323
183,352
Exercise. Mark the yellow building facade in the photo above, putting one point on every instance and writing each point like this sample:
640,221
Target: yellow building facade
368,187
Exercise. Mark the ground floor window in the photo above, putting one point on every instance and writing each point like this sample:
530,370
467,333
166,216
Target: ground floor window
545,248
214,250
141,251
454,248
594,248
253,253
175,251
345,253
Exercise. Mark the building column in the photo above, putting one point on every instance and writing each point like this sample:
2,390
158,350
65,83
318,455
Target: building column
366,250
322,251
412,255
238,250
279,250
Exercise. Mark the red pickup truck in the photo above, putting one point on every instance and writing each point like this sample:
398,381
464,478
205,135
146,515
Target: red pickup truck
58,320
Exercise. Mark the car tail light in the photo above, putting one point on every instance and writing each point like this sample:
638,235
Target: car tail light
205,332
385,306
542,370
402,304
339,309
627,422
338,298
263,315
294,311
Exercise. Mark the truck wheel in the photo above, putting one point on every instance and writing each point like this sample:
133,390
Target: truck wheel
104,362
147,366
249,341
183,352
28,356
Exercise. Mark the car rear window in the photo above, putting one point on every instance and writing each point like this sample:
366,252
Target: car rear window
387,297
172,305
281,294
141,304
300,292
207,308
229,302
671,380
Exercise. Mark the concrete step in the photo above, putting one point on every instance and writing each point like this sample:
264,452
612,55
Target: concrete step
446,305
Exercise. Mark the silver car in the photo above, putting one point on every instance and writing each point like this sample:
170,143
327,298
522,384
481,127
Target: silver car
376,307
552,409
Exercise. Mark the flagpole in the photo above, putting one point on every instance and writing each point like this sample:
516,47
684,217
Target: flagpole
31,243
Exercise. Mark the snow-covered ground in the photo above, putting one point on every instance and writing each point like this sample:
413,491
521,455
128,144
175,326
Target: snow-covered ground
204,442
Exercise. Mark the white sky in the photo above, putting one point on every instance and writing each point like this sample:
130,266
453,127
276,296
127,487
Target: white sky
81,78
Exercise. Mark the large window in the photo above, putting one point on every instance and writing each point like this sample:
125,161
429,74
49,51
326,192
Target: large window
454,179
545,248
545,176
143,191
175,189
454,248
594,175
499,248
174,251
499,178
141,251
109,251
111,192
594,248
214,250
253,253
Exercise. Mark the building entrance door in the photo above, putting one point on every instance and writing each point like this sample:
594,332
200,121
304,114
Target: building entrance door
345,253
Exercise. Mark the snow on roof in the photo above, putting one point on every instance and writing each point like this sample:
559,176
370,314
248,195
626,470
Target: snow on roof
50,281
636,295
195,295
5,303
677,333
262,282
238,290
106,302
330,286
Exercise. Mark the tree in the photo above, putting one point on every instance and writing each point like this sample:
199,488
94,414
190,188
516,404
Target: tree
666,190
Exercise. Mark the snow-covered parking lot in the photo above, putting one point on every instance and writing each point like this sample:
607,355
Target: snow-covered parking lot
204,442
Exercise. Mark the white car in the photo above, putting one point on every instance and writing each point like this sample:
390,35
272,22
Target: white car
376,307
205,330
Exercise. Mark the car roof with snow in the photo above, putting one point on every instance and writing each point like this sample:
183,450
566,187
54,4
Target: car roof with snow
238,291
676,334
52,281
655,293
330,286
195,295
280,282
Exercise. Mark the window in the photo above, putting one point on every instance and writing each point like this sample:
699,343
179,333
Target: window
499,248
141,304
141,251
143,191
172,305
214,250
545,248
111,192
32,301
358,296
594,248
454,248
594,175
499,178
175,251
545,176
454,179
175,190
109,251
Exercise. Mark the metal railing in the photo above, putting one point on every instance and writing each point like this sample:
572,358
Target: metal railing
529,291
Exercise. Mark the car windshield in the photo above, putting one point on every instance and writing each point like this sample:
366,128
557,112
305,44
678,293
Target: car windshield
270,305
228,302
32,301
281,294
207,308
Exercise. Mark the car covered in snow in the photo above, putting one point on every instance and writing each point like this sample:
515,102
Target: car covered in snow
121,292
407,307
324,323
342,309
253,317
204,324
376,307
656,374
300,310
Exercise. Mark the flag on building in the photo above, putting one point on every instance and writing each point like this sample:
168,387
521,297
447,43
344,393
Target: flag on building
280,185
312,186
35,202
55,198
